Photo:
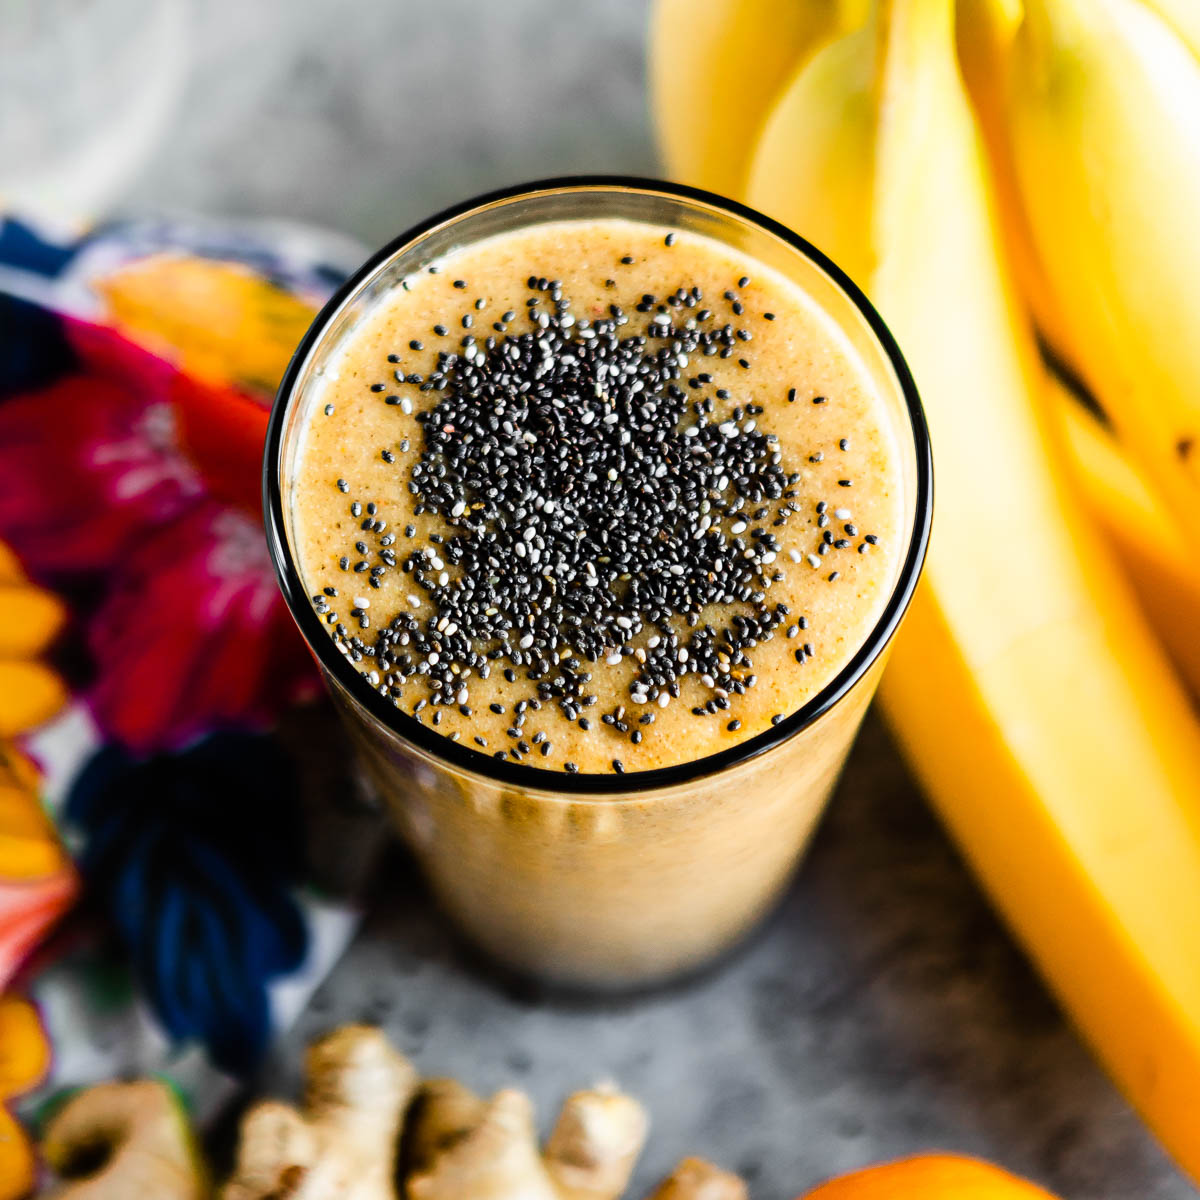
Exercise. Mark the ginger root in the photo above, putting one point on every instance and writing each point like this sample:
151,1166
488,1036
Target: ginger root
364,1121
344,1142
593,1149
465,1148
443,1113
124,1141
695,1179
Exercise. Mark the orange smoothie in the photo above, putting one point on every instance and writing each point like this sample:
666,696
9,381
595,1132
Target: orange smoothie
599,524
598,497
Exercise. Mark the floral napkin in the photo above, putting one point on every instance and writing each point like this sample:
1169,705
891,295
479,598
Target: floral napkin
156,912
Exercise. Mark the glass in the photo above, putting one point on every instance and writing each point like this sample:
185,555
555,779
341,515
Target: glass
606,881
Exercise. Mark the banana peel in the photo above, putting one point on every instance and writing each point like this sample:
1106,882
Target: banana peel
984,31
814,141
715,68
1026,688
1103,122
1183,16
1144,536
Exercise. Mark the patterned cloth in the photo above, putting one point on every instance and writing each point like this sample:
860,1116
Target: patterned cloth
154,914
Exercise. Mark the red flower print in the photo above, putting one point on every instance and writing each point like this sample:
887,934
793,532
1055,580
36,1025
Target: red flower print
87,464
193,635
130,475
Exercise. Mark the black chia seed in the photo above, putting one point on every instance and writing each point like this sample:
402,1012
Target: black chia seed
591,512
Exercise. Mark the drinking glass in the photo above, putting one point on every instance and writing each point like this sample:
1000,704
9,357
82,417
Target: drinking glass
605,881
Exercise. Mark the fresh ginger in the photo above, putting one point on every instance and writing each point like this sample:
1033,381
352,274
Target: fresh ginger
464,1148
594,1146
365,1124
124,1141
343,1144
695,1179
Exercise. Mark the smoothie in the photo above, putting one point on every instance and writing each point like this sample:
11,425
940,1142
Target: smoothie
598,497
583,495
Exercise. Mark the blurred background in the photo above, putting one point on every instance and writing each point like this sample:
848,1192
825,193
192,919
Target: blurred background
364,122
883,1009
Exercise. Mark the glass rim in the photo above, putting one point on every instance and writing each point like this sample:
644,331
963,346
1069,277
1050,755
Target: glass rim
544,779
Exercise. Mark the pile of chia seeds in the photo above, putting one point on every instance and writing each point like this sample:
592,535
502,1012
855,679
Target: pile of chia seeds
596,497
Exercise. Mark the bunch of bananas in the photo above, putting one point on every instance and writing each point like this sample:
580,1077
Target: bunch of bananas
973,165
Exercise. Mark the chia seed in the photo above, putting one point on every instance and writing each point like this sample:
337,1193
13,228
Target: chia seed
590,511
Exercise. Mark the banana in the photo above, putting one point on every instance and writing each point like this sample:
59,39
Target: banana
1146,540
1183,16
1145,537
1103,108
1025,688
821,128
715,66
985,30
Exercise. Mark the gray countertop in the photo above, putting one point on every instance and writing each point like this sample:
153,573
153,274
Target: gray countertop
883,1010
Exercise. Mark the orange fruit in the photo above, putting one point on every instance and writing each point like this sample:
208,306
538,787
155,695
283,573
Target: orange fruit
930,1177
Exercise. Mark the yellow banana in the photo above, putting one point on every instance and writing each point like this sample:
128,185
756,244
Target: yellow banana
985,30
1026,688
1145,538
715,66
1104,122
821,128
1144,535
1183,16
